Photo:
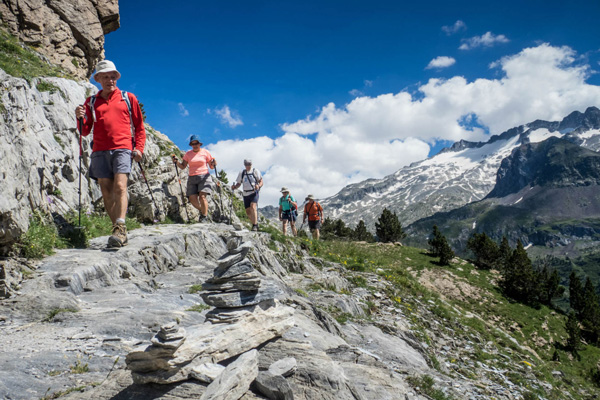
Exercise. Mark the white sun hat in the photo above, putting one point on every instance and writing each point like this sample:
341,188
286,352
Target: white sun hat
106,66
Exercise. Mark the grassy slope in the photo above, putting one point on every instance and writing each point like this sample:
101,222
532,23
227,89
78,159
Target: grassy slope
501,334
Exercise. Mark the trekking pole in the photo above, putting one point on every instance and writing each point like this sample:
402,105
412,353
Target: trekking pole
181,188
80,126
219,191
150,190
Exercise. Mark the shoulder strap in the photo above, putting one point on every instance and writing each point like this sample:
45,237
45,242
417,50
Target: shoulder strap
91,103
125,97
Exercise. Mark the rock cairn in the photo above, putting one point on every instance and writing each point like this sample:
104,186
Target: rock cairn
246,316
236,288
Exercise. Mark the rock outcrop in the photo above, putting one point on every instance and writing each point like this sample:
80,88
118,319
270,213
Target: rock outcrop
90,308
248,316
70,33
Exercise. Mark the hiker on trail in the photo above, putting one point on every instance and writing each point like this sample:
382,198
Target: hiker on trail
314,212
288,210
252,181
199,182
119,137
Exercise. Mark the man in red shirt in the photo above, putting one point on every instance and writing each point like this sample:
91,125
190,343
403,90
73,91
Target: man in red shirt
113,125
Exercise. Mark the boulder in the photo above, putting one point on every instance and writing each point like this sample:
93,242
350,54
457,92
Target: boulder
207,372
284,367
235,380
274,387
208,343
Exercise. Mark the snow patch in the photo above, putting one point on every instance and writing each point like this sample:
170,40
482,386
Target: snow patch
539,135
517,201
474,224
589,134
528,246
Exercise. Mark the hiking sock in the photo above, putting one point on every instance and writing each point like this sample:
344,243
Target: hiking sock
120,221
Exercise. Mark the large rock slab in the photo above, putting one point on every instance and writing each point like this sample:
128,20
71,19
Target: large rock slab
267,291
274,387
208,343
235,380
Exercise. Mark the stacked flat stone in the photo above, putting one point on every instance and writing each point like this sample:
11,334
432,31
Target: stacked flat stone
236,287
170,336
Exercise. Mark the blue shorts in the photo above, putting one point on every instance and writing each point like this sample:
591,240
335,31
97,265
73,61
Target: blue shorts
289,215
251,198
198,184
107,163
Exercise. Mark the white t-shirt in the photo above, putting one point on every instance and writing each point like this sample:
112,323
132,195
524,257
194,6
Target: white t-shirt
249,180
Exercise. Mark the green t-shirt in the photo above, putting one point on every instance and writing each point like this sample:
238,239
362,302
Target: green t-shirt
285,204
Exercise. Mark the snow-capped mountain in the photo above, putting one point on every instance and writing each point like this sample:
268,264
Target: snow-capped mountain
456,176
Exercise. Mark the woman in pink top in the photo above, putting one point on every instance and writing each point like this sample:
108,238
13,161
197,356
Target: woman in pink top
200,180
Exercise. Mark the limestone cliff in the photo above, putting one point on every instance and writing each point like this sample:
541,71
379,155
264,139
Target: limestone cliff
70,33
39,160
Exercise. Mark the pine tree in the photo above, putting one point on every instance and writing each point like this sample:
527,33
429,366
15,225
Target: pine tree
590,316
222,176
576,297
341,230
548,281
436,242
361,233
446,253
519,279
573,332
388,227
504,253
486,251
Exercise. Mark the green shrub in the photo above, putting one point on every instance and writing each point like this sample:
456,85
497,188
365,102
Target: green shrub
195,289
40,239
198,308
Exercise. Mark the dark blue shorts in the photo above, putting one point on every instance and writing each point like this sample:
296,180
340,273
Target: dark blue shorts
105,164
251,198
289,215
312,225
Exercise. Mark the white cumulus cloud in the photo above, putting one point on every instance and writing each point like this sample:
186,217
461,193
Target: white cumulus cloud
452,29
228,116
182,110
441,62
488,39
371,137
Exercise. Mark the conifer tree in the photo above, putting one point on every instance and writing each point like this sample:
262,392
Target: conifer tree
590,316
388,227
439,247
341,230
222,176
446,253
573,332
519,279
486,251
436,242
361,232
504,253
549,283
576,297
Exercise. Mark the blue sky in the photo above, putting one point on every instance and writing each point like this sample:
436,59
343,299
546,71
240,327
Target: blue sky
300,80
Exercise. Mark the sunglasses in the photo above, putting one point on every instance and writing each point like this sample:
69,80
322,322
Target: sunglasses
195,144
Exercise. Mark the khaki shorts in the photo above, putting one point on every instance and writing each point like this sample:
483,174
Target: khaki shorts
199,183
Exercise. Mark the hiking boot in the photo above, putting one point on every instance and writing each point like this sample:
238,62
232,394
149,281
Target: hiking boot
255,227
119,236
203,219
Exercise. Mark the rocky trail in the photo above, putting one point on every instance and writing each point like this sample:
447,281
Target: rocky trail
186,305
